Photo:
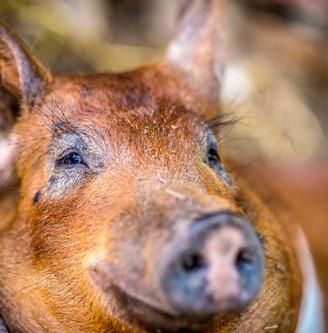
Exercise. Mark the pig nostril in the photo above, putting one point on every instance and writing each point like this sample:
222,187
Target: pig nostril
193,262
244,260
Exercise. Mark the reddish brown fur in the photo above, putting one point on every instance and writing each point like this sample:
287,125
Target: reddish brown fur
150,177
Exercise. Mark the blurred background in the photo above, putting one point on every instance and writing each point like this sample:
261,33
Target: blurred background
276,80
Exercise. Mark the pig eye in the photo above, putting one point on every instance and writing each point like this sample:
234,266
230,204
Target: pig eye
213,157
71,159
214,161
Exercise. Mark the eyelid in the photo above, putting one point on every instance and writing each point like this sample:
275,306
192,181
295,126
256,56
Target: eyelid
67,152
211,139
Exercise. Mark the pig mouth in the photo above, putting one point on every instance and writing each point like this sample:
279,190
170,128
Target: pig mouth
145,312
150,317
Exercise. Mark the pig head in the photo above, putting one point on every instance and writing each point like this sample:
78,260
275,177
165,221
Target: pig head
127,220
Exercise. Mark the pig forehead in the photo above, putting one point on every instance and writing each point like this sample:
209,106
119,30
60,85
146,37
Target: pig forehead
109,90
123,107
143,87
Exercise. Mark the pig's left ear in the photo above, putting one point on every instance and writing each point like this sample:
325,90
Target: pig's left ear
197,45
21,75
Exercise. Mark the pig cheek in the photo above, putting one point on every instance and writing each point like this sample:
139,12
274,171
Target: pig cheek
63,240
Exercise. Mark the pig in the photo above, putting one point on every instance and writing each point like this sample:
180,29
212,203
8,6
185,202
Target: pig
124,217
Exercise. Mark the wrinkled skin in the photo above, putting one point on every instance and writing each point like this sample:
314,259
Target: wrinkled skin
83,248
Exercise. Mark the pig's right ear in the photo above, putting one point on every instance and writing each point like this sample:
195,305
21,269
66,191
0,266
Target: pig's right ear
21,74
23,80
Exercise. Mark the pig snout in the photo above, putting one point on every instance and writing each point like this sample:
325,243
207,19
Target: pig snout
216,267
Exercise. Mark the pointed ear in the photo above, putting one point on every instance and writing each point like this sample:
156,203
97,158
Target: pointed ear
22,80
197,45
21,74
